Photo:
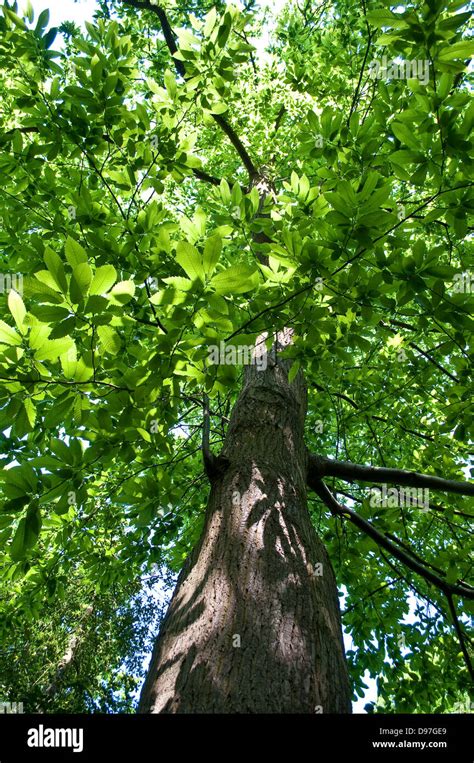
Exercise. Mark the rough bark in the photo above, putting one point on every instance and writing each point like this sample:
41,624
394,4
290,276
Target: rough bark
254,623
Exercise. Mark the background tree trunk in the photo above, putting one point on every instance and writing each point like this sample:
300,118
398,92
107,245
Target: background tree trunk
254,623
74,644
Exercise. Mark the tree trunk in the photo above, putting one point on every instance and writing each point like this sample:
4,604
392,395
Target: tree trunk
254,623
74,644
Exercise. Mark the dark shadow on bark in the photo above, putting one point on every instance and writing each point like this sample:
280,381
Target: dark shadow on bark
254,624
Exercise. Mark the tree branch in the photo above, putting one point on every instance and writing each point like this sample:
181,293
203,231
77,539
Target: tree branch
411,502
338,510
170,39
352,402
181,69
213,465
64,383
208,457
74,644
460,635
361,74
280,116
202,175
320,466
397,225
237,143
424,353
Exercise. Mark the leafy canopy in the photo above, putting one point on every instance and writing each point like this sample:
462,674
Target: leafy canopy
152,206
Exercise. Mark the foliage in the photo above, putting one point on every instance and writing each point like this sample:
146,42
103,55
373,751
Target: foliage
127,207
76,650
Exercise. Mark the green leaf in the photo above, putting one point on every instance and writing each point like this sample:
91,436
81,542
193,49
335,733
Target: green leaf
104,278
38,335
56,269
405,134
51,349
190,260
121,293
453,22
17,308
26,535
20,480
49,38
211,254
80,282
68,361
452,573
295,367
225,191
21,425
210,22
237,279
14,18
96,71
30,410
43,20
177,282
61,450
405,157
170,83
75,253
382,18
218,108
8,335
462,50
109,339
143,433
110,83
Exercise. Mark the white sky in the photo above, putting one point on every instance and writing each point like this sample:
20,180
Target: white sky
82,10
65,10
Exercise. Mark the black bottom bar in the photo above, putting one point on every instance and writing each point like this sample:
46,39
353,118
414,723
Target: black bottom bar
151,737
